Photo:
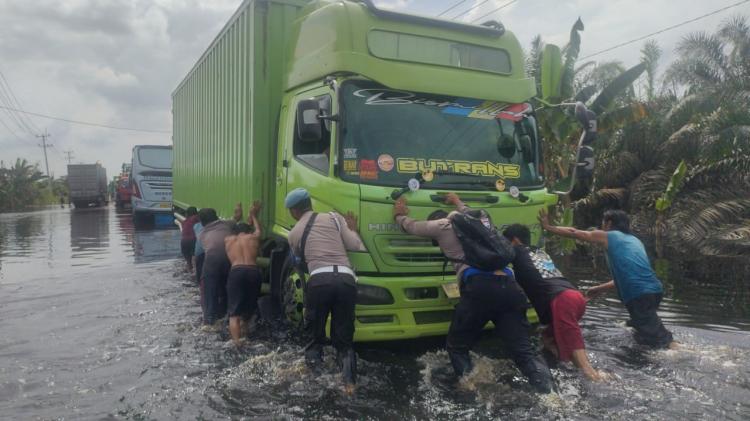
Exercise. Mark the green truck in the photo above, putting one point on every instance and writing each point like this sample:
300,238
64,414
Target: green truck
360,105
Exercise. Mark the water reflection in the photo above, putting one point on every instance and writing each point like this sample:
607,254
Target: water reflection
100,321
89,232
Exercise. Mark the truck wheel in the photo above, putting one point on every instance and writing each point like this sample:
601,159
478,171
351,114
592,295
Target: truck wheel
291,294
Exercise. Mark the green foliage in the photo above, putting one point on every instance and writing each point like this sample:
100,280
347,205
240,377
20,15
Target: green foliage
551,72
650,55
622,82
685,163
673,188
23,185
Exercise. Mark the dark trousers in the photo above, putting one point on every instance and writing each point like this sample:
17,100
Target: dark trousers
649,330
334,294
187,247
215,271
498,299
199,267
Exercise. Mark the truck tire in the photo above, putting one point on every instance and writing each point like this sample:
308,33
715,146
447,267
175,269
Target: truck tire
79,204
291,299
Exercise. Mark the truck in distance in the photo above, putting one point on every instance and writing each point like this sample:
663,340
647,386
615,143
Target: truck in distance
87,184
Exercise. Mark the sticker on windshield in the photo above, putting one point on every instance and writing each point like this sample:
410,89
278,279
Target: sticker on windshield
350,166
385,162
350,153
486,110
481,168
368,169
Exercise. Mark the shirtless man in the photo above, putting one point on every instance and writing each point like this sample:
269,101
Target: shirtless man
243,283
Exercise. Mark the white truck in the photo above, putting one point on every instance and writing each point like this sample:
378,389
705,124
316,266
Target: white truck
151,180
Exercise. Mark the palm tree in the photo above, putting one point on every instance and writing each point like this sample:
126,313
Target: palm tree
706,124
19,185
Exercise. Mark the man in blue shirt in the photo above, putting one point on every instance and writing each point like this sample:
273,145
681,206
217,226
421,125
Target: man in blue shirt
635,281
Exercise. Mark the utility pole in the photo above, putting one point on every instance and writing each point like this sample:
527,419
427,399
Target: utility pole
44,146
69,156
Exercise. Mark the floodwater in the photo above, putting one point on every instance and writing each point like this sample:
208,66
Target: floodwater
99,321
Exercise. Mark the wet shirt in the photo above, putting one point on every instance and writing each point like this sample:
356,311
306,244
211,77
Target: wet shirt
630,267
212,237
327,242
539,278
197,228
187,227
440,230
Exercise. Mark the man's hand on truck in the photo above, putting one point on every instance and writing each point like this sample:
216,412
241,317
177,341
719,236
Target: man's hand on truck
453,199
237,212
400,208
351,221
255,209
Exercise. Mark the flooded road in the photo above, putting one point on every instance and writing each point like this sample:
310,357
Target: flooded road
99,321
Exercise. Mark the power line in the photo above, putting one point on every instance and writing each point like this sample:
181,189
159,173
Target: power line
470,9
84,123
495,10
451,8
10,130
31,128
664,30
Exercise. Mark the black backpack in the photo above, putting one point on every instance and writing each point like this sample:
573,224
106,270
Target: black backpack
484,247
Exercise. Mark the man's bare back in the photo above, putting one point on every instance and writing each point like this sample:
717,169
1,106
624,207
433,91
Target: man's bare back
242,249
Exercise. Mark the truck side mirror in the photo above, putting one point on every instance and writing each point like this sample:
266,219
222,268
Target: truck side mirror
309,127
584,165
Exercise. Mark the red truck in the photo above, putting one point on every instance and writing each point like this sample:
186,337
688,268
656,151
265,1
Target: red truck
123,191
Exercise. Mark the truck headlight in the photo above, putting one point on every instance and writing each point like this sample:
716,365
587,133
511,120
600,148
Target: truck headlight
371,295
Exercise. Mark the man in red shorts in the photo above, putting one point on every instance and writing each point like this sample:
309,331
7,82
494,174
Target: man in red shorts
557,302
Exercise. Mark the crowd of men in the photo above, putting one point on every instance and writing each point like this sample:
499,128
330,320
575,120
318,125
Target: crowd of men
224,254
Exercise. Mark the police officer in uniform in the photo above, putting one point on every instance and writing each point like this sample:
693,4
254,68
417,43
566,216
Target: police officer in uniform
320,242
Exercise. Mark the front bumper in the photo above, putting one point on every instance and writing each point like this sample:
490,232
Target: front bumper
143,206
420,309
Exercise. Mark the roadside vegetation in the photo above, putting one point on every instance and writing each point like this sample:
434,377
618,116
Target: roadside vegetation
673,151
22,185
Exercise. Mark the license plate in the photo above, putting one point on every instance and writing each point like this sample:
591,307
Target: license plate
164,205
451,290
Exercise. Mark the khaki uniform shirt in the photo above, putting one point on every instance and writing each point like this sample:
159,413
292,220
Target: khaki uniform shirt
328,241
212,237
440,230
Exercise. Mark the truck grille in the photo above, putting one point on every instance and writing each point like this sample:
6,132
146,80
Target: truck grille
405,251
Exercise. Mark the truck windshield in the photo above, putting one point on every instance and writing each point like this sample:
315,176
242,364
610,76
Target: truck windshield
160,158
389,136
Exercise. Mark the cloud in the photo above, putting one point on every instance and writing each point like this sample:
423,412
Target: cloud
114,62
117,61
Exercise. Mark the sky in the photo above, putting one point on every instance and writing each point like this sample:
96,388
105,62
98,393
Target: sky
116,62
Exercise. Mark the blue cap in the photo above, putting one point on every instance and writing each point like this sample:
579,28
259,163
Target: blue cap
295,197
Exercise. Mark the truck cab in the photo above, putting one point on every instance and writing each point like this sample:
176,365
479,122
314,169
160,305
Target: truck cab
418,107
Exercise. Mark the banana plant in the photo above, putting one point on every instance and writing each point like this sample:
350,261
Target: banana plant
664,202
556,77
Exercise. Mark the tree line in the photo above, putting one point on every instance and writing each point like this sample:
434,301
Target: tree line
673,151
22,185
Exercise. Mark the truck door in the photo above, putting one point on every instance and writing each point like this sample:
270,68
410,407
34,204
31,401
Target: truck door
312,165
